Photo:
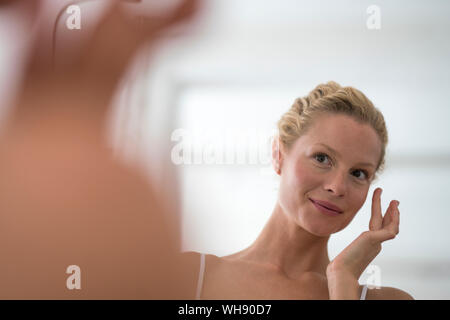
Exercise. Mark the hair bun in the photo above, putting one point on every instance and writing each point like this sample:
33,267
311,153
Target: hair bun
323,90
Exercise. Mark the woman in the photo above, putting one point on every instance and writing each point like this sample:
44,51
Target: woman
330,146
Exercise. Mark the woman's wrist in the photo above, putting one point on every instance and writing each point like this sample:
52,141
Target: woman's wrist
342,285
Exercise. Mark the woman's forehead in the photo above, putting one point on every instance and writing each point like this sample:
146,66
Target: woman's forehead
345,137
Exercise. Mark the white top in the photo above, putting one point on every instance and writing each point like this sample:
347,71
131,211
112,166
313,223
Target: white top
201,275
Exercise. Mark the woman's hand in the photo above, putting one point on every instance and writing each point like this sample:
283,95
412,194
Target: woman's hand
355,258
90,75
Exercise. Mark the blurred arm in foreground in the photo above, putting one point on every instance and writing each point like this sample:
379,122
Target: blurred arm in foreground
65,200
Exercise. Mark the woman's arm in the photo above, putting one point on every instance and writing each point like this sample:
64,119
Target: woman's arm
342,285
65,199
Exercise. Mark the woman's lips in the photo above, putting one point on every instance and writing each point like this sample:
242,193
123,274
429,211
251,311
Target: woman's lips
326,207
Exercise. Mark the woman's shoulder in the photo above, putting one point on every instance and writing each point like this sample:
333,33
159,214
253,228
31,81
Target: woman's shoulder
213,266
210,261
191,255
387,293
194,255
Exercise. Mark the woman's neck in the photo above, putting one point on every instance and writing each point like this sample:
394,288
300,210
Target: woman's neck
288,248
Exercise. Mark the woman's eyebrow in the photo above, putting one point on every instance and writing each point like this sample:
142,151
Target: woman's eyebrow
329,149
368,164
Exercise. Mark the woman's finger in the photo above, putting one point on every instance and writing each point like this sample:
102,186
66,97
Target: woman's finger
390,225
397,220
388,217
376,219
394,223
117,39
39,58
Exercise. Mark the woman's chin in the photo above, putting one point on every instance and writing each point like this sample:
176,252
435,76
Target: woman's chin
322,234
321,229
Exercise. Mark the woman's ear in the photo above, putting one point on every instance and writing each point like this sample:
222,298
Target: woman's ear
277,158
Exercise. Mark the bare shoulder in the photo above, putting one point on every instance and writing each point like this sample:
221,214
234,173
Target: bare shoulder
191,256
212,262
215,267
194,255
387,293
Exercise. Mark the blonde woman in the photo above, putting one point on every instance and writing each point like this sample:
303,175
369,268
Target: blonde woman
330,146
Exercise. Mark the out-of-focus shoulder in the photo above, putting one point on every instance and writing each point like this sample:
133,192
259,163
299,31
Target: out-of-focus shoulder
194,257
190,255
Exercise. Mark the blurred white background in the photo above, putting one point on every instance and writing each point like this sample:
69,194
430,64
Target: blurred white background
242,67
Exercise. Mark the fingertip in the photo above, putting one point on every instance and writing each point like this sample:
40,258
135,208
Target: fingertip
394,204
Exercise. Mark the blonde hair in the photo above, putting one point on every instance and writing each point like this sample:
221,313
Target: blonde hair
331,98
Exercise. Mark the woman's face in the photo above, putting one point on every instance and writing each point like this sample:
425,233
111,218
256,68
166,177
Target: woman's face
332,164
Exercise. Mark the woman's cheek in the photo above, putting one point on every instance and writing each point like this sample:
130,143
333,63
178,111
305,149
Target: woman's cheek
296,181
305,176
358,200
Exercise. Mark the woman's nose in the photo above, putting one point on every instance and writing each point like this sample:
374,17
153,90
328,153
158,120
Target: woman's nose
336,184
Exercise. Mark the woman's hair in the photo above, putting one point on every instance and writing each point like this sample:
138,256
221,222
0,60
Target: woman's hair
331,98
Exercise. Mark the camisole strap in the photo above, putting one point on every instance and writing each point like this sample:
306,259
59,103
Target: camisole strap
201,274
363,293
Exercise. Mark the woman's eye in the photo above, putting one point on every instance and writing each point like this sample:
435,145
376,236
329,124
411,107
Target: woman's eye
322,158
360,174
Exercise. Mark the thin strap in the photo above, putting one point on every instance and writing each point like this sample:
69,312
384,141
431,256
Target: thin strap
200,277
363,294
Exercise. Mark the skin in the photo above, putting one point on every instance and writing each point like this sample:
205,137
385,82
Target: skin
65,198
289,259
